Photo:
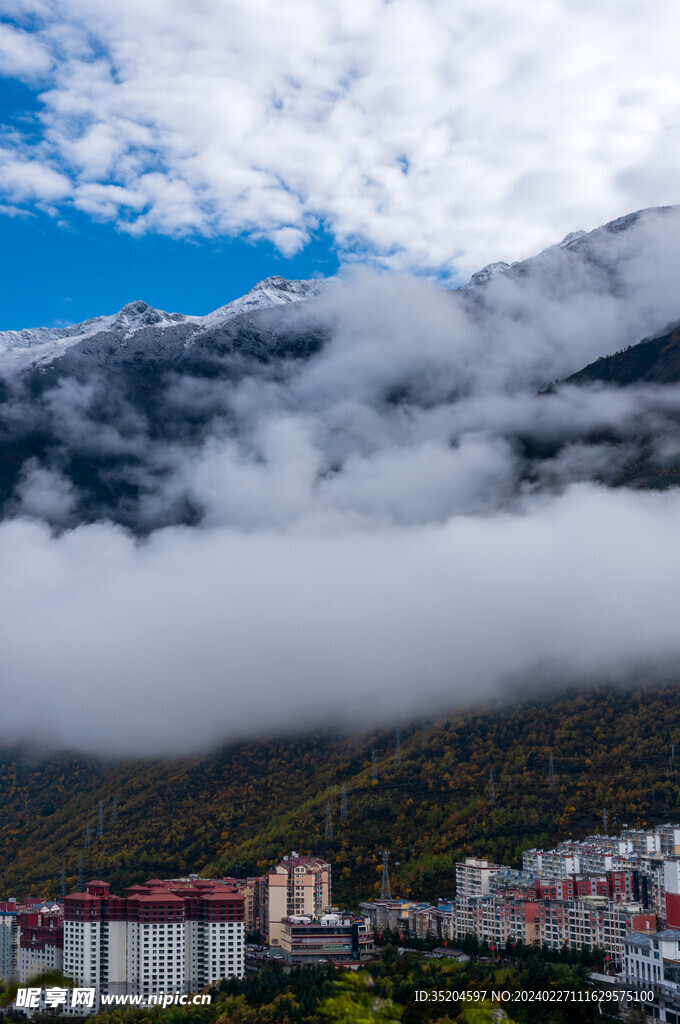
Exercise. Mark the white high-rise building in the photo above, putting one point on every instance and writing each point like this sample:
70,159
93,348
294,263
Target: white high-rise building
164,937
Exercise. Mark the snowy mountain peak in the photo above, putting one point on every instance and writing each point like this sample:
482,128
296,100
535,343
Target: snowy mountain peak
41,345
138,314
272,291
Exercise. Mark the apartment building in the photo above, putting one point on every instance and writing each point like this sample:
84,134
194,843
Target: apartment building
473,876
249,889
298,885
651,965
165,936
40,940
388,915
8,940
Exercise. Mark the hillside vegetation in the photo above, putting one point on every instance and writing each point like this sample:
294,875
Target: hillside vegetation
239,809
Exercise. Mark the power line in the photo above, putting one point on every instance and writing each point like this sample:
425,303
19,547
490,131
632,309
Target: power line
385,890
397,751
343,804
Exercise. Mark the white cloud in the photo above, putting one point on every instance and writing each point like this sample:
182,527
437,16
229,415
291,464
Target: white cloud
215,633
30,179
22,55
429,134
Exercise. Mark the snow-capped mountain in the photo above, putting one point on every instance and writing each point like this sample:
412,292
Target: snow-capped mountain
600,250
38,346
394,399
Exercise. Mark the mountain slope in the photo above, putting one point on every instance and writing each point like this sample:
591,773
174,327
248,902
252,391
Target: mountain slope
652,361
240,808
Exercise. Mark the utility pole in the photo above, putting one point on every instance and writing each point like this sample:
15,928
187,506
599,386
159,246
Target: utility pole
385,890
100,821
492,791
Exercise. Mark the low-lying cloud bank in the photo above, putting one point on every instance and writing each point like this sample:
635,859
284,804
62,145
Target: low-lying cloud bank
194,636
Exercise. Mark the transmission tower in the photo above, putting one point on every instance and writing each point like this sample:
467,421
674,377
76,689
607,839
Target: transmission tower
100,821
551,772
397,750
62,886
343,804
492,791
81,884
374,768
87,836
385,891
114,812
605,819
329,821
424,734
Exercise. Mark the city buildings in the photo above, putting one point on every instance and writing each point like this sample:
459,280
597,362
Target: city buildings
297,885
8,940
40,930
473,876
176,935
337,938
651,973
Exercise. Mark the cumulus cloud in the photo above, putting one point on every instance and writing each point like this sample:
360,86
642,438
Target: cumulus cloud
421,135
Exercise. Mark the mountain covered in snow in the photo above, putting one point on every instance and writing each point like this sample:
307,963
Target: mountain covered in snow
369,397
20,350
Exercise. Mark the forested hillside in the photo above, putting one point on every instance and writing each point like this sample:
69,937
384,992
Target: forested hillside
240,808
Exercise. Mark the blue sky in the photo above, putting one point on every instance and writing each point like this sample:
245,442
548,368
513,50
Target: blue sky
63,266
179,152
63,271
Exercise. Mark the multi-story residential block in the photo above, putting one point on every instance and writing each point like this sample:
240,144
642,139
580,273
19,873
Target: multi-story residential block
670,839
671,882
40,933
651,967
9,942
173,936
473,876
388,915
249,889
298,886
337,938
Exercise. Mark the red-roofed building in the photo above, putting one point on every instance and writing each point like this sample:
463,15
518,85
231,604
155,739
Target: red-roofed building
40,939
165,936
